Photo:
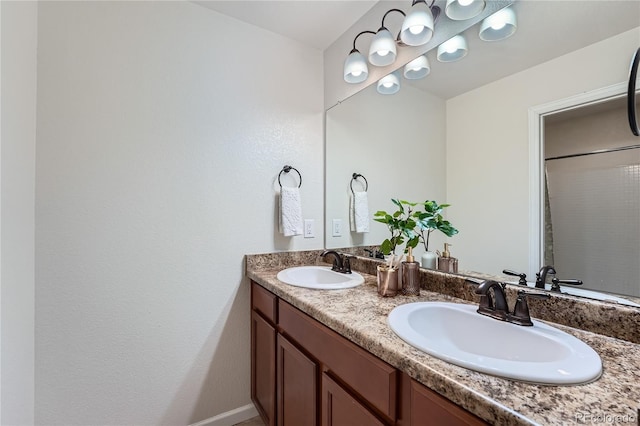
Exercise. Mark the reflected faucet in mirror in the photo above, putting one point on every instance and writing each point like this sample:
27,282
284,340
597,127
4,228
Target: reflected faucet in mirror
541,277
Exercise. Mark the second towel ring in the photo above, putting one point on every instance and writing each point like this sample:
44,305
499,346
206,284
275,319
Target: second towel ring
287,169
355,176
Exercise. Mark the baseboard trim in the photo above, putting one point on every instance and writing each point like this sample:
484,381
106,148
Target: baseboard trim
230,418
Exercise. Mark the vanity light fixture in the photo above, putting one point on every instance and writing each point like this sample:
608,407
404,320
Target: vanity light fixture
418,28
418,25
418,68
355,66
383,49
499,26
389,84
459,10
453,49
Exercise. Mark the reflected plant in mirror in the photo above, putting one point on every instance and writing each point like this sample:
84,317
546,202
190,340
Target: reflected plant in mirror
428,221
431,219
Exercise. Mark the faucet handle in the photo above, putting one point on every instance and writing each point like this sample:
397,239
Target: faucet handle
521,314
523,277
555,286
346,264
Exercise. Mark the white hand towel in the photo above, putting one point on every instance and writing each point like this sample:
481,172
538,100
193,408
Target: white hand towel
359,212
290,212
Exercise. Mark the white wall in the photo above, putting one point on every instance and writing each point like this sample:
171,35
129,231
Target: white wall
162,127
488,149
377,136
18,123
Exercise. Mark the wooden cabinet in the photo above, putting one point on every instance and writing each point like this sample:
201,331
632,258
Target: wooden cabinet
305,374
297,386
420,406
263,368
340,408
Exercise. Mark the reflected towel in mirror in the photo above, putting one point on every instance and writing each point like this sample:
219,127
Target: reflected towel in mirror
359,212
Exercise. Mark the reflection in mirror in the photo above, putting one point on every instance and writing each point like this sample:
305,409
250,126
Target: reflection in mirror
592,213
481,163
398,143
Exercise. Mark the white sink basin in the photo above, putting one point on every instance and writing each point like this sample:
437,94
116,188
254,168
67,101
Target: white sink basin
456,333
319,277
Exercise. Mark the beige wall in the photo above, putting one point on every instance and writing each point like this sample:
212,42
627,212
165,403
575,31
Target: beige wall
488,149
162,127
18,123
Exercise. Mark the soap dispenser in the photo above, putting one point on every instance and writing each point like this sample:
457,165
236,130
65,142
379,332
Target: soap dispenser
410,275
446,263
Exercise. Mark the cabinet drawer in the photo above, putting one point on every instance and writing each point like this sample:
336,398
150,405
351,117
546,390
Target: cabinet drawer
264,302
371,378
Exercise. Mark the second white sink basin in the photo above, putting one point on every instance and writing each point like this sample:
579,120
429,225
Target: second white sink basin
458,334
319,277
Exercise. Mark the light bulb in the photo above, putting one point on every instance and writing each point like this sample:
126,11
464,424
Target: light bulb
383,52
416,29
356,73
465,2
387,84
451,49
498,25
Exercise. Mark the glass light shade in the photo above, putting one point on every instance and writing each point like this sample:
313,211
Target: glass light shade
459,10
418,68
417,26
382,51
389,84
355,68
453,49
499,26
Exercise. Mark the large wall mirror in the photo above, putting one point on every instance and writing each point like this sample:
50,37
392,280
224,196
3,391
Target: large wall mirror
462,136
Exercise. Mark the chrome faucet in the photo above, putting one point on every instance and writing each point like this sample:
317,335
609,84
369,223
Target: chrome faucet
497,307
541,277
340,264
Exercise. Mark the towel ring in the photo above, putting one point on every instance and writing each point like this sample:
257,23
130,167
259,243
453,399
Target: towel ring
631,94
287,169
356,176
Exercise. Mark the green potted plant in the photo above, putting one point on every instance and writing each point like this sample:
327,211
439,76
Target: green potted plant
401,225
428,221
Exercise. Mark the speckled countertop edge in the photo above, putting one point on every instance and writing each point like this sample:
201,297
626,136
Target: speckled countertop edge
359,314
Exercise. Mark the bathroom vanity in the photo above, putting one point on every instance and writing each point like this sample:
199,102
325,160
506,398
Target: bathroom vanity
290,351
329,357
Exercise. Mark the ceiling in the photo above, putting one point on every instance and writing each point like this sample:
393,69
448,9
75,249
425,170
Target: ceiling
315,23
546,29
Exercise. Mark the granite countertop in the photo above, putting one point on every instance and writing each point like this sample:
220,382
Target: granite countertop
360,315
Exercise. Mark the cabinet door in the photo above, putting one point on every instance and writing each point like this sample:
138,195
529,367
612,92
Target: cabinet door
339,408
263,368
429,408
297,386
